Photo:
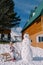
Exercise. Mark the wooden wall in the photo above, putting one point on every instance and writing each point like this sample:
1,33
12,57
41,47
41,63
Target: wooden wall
34,40
34,28
42,21
4,31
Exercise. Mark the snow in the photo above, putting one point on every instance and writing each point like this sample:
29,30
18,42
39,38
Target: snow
18,36
27,53
17,29
21,62
37,52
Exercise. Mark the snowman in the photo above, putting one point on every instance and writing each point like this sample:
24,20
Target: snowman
26,52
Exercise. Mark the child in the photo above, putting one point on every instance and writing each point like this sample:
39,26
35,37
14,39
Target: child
12,51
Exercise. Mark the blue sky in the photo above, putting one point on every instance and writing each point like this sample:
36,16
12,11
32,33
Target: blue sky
23,8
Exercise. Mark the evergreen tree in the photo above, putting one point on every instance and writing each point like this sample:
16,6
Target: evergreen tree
8,17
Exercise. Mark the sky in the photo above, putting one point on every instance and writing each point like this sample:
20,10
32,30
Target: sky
23,8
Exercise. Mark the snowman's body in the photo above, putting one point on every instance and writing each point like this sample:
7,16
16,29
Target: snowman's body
26,50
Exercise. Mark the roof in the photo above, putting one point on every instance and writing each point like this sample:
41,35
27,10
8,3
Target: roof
37,14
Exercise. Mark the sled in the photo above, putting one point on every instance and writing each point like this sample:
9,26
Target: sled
6,56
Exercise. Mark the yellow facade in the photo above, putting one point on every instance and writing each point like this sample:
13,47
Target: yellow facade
35,29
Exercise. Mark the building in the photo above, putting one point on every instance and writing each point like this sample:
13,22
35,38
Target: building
5,34
35,27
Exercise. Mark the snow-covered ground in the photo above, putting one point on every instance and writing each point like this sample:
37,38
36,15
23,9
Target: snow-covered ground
37,53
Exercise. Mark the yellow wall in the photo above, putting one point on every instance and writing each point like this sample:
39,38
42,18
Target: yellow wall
34,40
34,30
42,21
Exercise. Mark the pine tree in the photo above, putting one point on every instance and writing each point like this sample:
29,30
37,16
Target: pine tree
8,17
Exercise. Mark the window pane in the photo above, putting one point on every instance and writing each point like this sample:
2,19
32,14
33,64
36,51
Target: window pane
42,38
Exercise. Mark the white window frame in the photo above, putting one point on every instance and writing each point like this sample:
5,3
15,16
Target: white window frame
5,36
37,38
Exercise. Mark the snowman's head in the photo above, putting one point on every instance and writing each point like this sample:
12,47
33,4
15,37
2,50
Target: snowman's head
26,35
11,43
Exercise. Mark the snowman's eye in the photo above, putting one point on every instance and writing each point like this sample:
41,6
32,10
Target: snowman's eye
26,36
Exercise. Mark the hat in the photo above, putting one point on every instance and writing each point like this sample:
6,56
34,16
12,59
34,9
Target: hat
26,35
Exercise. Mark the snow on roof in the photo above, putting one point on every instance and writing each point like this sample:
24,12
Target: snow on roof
15,33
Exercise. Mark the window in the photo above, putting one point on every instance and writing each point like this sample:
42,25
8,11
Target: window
39,38
5,37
